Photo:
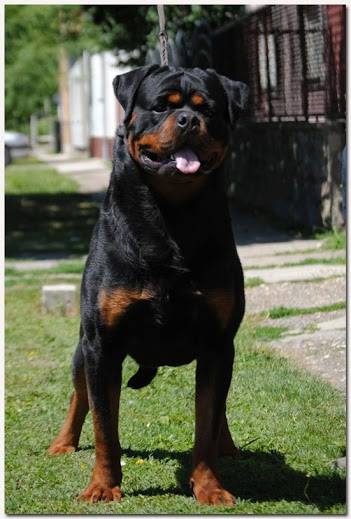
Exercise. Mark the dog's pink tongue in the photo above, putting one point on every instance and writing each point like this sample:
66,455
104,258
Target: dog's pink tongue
187,161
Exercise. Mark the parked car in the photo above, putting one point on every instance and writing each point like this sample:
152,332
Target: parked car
16,145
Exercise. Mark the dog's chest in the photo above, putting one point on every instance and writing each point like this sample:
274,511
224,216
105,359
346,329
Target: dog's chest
166,328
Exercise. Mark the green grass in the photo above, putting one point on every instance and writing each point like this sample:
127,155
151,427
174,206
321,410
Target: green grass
292,424
49,224
332,240
341,260
253,282
66,271
26,161
72,266
26,177
45,215
268,333
283,311
308,261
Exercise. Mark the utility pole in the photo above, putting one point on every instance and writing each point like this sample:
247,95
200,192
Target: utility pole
64,101
105,150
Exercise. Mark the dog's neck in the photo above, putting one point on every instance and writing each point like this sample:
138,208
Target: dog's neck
161,215
172,192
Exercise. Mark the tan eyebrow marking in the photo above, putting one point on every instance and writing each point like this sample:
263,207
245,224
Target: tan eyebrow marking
175,97
197,99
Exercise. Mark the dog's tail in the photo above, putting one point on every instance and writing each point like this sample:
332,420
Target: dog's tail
142,377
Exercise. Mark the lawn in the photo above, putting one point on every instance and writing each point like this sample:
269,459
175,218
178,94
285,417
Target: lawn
45,215
29,175
290,426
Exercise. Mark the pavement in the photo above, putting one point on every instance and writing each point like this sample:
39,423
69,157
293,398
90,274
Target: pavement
91,174
315,342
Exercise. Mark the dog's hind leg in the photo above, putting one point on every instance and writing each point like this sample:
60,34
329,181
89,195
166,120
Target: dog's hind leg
68,438
142,377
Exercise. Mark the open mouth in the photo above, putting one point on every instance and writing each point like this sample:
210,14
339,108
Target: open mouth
184,161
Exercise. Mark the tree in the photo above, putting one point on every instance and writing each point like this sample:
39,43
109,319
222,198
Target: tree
33,36
131,27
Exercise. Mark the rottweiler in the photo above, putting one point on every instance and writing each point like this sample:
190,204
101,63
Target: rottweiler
163,281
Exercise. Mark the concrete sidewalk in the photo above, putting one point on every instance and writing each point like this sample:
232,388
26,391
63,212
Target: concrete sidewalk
91,174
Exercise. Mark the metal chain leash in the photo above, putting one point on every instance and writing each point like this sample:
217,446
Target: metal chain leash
163,35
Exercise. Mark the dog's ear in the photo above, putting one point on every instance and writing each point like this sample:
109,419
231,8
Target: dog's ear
126,86
237,95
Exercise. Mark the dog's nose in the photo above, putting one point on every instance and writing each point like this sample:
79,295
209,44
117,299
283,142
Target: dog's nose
187,120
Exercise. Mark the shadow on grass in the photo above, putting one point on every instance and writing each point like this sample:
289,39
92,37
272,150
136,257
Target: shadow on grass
254,475
49,226
59,225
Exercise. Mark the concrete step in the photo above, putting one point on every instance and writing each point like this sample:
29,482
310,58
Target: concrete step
279,247
300,273
282,259
295,295
322,353
308,322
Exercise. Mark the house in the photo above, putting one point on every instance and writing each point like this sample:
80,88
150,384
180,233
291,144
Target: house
93,112
286,152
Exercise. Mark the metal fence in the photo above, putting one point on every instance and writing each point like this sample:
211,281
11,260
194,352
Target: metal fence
294,59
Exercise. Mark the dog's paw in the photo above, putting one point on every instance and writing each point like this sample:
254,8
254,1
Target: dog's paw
207,489
97,491
58,448
213,496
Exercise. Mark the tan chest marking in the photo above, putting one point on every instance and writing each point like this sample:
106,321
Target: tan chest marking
114,303
222,302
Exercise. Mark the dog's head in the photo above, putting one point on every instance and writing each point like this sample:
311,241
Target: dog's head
178,120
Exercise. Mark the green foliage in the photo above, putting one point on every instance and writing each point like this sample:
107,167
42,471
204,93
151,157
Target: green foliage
186,17
131,27
33,36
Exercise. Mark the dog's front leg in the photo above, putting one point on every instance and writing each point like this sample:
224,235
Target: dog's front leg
213,376
104,384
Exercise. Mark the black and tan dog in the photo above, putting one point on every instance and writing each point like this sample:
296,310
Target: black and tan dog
163,281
